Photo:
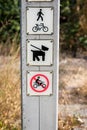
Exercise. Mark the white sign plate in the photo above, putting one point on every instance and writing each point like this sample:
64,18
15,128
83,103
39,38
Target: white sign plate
39,20
39,52
39,83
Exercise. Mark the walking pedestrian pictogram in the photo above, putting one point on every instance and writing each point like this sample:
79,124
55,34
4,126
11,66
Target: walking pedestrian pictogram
40,15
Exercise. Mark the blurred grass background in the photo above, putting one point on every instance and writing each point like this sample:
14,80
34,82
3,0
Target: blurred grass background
10,92
73,43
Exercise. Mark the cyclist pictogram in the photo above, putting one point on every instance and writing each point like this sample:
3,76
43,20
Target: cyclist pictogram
39,27
39,83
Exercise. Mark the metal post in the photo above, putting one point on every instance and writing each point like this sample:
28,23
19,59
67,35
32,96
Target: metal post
39,64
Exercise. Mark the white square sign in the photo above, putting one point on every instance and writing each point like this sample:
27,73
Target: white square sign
39,20
40,52
39,83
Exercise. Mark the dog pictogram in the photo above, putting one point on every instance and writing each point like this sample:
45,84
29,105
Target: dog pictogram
37,53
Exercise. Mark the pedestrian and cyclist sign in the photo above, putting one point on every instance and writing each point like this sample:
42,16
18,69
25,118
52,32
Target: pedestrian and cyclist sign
39,83
39,20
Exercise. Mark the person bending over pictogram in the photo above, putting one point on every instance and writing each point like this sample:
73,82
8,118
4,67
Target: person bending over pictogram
39,14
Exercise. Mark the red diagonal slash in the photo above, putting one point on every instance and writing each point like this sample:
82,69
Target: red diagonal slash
39,83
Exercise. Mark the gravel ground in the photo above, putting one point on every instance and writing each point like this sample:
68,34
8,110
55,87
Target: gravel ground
73,89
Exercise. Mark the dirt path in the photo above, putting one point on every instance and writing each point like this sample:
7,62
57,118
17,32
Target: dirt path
73,89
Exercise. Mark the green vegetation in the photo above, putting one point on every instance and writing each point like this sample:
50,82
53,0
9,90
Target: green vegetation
73,25
9,21
6,127
73,19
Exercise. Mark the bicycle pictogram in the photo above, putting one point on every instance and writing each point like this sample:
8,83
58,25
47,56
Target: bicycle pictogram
39,27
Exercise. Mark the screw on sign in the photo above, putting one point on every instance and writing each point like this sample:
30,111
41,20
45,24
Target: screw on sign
39,83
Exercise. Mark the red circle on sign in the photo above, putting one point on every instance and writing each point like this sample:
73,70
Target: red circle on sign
34,78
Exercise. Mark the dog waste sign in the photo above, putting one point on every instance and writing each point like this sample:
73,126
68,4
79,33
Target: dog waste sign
39,64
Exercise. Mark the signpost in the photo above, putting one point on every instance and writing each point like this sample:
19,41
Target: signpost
39,64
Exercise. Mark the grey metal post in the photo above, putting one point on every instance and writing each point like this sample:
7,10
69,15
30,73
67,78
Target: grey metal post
39,58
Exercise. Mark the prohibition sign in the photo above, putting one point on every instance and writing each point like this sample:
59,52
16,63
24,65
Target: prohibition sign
46,83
